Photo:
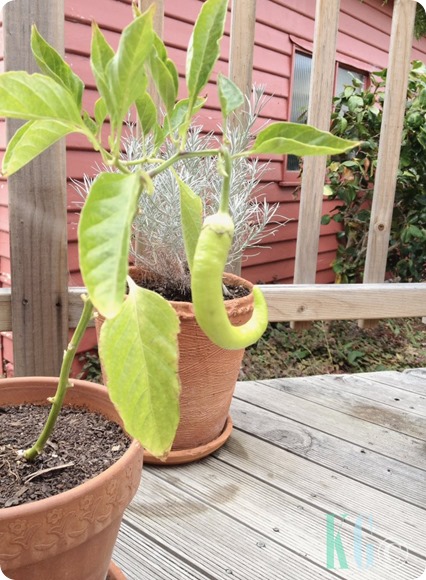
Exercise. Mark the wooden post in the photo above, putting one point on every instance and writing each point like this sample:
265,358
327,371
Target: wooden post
243,21
390,142
38,218
319,113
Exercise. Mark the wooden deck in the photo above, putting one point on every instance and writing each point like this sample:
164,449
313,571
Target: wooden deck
325,462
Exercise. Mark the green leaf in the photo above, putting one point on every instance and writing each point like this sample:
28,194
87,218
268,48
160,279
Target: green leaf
204,46
104,238
230,96
139,353
90,123
125,72
31,97
355,103
296,139
164,81
325,220
147,113
191,208
30,140
53,65
327,191
101,55
374,110
353,355
100,112
179,113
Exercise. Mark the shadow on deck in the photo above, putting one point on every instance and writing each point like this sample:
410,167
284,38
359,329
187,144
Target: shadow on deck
323,477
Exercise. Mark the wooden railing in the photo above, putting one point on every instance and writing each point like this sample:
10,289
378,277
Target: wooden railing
41,308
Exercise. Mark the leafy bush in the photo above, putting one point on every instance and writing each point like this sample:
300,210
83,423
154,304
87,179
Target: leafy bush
350,179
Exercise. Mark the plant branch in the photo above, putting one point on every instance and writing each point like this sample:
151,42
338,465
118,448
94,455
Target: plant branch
64,383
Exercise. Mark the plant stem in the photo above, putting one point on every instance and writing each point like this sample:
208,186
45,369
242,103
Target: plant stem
64,381
226,183
180,155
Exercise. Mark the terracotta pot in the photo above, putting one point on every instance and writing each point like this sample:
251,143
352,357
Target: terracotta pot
70,535
207,374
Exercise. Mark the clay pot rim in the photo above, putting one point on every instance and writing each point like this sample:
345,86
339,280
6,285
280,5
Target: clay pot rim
234,307
90,485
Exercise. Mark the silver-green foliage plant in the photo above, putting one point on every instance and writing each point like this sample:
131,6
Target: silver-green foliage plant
157,230
143,327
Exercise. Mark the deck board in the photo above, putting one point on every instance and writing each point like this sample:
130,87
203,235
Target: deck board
301,449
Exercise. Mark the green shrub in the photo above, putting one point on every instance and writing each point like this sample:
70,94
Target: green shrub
350,179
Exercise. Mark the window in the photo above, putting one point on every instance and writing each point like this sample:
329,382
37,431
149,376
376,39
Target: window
300,99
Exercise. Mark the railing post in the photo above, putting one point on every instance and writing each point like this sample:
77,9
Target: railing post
243,21
390,142
38,217
319,114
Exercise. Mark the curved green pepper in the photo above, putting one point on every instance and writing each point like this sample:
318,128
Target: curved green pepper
209,262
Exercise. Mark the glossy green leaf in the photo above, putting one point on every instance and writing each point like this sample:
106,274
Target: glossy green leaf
90,123
147,113
30,140
53,65
230,96
171,67
140,356
164,74
101,112
191,209
104,238
100,56
204,45
126,70
297,139
163,81
31,97
179,113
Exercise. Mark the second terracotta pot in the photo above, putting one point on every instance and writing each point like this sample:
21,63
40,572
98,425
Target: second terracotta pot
207,374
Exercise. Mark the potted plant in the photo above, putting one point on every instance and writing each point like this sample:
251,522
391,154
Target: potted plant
141,326
207,373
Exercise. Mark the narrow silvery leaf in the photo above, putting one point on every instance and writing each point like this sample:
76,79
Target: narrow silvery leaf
104,238
230,96
204,49
297,139
53,65
139,352
30,140
31,97
191,208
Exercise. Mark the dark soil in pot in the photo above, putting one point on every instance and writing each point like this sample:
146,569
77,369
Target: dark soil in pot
175,292
83,444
